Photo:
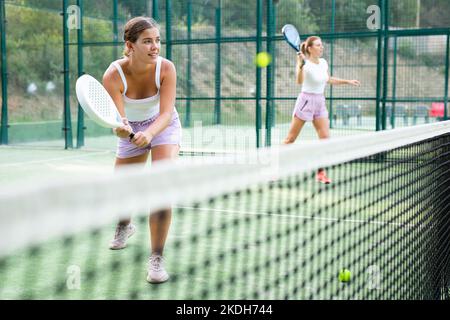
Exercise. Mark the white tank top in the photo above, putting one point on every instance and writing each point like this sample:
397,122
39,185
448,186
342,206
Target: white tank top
315,77
140,109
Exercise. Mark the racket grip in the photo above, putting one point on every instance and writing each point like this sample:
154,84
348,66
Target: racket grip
131,136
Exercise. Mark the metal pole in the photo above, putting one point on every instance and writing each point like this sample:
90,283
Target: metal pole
385,62
115,30
447,66
67,128
155,12
169,29
4,120
269,74
218,70
147,8
274,63
418,14
259,13
333,29
80,123
189,64
379,63
394,83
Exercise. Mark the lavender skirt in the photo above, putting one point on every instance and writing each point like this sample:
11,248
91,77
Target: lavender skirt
169,136
310,106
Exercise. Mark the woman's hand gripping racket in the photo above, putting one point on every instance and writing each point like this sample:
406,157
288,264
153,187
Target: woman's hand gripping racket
97,103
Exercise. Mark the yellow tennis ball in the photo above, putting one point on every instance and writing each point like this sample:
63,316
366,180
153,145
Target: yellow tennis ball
263,59
345,275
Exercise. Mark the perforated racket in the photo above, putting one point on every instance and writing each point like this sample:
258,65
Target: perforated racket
97,103
291,36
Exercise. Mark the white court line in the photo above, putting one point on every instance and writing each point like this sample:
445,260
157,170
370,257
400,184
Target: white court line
19,164
301,216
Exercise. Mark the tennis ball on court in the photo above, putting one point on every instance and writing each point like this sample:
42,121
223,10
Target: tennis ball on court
345,275
263,59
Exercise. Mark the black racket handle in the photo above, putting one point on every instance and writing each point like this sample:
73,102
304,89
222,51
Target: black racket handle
131,136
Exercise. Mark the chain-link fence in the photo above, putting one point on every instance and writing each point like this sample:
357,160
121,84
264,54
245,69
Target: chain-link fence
399,50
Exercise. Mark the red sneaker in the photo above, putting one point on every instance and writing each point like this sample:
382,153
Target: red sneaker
322,177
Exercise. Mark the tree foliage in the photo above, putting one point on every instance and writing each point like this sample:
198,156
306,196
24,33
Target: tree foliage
34,29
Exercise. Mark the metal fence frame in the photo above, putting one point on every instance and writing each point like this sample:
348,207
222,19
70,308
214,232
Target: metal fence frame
383,35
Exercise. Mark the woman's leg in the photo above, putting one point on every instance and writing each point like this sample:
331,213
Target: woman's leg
323,131
159,222
138,160
124,228
322,128
296,126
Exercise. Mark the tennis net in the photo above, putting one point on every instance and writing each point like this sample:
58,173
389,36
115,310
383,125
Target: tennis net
251,226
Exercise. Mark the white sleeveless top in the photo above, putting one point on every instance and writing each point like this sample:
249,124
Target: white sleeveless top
315,77
140,109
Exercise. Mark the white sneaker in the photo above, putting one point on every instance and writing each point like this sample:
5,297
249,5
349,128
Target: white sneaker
121,236
156,272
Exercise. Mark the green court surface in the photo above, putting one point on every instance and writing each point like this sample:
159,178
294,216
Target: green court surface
34,163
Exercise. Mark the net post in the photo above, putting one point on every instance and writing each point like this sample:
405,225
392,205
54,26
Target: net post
4,71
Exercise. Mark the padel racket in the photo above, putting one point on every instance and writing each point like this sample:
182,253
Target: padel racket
291,36
97,103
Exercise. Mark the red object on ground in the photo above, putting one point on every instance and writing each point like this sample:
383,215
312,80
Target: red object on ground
437,109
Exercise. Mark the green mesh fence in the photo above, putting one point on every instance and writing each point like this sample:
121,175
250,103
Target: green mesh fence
399,50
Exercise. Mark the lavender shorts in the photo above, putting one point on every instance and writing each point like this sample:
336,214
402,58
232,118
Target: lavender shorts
170,135
310,106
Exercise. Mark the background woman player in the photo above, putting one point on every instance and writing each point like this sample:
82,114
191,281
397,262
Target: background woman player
312,73
143,86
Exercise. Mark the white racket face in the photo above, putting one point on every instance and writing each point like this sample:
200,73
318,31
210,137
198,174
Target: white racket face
97,103
292,37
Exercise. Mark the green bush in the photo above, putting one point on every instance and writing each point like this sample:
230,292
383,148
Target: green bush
406,49
298,13
34,46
